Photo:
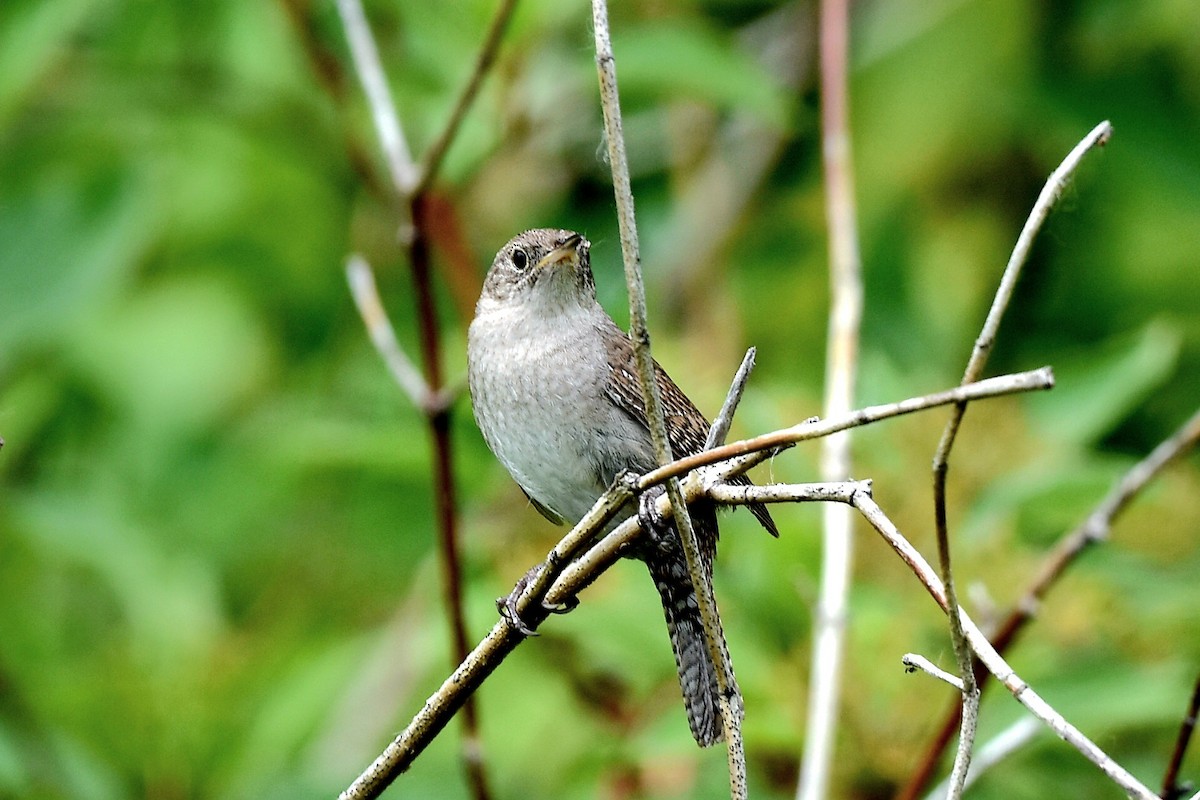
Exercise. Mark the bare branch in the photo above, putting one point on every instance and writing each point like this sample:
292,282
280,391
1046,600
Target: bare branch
383,335
1021,691
983,345
563,575
1095,528
741,495
759,448
1171,789
383,109
1000,747
432,160
720,426
728,696
428,393
914,662
841,364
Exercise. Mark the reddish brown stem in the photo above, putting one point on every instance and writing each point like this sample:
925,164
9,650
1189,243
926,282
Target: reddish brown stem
444,487
1171,789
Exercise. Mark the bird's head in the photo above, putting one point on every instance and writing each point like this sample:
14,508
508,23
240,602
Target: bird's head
544,265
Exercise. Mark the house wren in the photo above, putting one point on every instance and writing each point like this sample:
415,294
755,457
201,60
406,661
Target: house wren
554,388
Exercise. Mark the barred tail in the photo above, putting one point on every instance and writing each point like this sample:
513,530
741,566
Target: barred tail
697,674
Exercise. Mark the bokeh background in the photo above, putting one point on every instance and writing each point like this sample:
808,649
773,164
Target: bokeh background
217,570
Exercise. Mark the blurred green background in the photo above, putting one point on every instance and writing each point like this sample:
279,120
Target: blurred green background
217,575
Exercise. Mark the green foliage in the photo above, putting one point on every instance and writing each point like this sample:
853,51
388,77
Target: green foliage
217,543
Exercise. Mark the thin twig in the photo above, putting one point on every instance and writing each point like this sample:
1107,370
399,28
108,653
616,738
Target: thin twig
432,160
545,589
738,457
410,184
1095,528
975,365
915,661
1171,789
383,109
720,426
759,448
996,665
728,698
1000,747
745,494
383,335
841,364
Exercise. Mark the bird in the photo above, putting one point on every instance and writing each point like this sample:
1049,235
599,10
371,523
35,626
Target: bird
554,390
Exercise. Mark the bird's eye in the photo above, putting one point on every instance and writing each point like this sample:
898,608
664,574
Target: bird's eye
519,259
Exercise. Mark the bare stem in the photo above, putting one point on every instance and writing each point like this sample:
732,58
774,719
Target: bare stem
383,335
914,661
383,109
730,702
759,448
563,575
941,460
1000,747
841,363
1095,528
428,393
432,160
992,660
1171,789
720,426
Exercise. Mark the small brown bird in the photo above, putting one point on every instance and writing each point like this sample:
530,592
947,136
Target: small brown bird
555,392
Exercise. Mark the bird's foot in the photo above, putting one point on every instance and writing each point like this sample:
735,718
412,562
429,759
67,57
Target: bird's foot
507,606
654,524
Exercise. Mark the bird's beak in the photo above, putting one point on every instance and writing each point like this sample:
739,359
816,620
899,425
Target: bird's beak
566,252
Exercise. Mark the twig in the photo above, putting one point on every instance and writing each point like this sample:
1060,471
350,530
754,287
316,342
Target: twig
432,397
914,662
1095,528
996,665
546,589
759,448
383,335
975,365
720,426
432,161
728,699
742,495
1171,789
841,360
738,457
383,110
1000,747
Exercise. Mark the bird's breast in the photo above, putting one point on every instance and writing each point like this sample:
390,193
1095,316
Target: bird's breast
537,388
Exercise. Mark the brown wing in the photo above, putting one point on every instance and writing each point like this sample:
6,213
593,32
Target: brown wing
687,428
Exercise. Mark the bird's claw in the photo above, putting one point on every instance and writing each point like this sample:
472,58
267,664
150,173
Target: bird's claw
507,606
653,523
565,607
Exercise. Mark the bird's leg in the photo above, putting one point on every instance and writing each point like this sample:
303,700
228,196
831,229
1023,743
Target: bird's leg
507,606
